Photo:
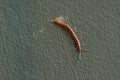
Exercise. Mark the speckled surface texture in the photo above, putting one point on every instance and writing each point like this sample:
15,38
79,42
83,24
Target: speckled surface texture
31,48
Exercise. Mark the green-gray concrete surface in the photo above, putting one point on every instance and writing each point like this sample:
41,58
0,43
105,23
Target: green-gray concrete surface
31,48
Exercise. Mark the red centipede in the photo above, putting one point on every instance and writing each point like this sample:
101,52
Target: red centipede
69,29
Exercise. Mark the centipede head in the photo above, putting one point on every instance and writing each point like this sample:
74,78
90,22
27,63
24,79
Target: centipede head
57,18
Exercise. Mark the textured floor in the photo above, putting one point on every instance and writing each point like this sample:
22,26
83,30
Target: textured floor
31,48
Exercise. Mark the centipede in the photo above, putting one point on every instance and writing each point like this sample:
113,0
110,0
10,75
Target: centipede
59,22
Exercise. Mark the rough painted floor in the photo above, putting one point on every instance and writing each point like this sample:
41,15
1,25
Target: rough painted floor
31,48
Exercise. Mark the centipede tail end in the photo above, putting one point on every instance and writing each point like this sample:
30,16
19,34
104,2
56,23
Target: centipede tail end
77,55
84,50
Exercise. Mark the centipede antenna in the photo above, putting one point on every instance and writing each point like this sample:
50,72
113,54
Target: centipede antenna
59,18
52,21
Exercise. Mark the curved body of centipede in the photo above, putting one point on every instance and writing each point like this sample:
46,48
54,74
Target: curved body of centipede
69,29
